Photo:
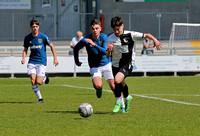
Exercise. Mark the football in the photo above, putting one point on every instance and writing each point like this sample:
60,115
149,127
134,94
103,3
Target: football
85,110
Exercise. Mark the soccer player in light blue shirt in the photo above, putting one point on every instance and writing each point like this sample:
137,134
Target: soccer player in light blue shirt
36,66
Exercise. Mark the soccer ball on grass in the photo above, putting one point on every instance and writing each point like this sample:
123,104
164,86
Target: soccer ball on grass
85,110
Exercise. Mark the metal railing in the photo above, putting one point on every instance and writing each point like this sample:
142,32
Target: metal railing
14,26
65,51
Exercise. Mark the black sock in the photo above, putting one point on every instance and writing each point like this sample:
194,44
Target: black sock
125,90
118,90
99,89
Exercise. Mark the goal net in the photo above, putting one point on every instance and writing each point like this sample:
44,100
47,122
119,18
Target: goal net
185,36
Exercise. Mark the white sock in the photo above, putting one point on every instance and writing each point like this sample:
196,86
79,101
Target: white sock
37,91
127,98
122,100
45,77
118,99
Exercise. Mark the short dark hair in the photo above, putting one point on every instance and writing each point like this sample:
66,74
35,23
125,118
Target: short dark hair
95,22
116,21
34,21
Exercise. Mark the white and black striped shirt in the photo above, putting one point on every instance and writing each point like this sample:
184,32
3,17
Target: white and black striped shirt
124,47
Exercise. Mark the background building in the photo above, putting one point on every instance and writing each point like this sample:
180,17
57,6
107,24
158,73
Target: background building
60,19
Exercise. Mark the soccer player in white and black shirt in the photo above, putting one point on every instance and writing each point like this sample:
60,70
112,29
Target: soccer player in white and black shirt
121,45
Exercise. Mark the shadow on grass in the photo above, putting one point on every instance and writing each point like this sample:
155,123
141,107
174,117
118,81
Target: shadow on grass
100,112
76,112
85,94
63,112
94,94
17,102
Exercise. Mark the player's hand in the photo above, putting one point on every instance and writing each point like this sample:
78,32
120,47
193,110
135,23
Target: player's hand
23,61
109,47
90,42
158,45
79,64
55,62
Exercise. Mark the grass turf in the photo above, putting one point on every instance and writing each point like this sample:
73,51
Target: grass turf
58,115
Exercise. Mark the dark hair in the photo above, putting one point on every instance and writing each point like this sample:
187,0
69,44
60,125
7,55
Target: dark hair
34,21
95,22
116,21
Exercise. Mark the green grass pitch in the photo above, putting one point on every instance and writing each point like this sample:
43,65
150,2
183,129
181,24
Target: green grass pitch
162,106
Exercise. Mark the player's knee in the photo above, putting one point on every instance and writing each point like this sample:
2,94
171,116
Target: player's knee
98,87
39,82
117,81
33,81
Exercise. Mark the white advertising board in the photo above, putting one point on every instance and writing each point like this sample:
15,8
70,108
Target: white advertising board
167,63
84,68
13,65
143,64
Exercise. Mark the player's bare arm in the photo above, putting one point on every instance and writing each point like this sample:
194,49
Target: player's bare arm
147,43
24,53
54,54
109,50
157,44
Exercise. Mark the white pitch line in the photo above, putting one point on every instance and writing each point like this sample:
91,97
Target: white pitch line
168,100
174,94
143,96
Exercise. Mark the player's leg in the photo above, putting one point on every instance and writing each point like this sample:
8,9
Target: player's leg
42,77
97,81
108,75
40,72
97,84
36,88
39,80
126,70
118,79
127,97
31,68
111,84
123,105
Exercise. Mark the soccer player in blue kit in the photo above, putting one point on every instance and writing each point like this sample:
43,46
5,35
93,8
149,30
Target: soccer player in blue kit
36,66
99,64
122,46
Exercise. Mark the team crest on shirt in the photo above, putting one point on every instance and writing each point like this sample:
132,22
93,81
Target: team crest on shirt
100,43
39,40
125,40
30,42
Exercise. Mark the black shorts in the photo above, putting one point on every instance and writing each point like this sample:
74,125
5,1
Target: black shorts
126,70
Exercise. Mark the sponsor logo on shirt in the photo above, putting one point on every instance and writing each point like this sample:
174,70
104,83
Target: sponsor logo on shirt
36,47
